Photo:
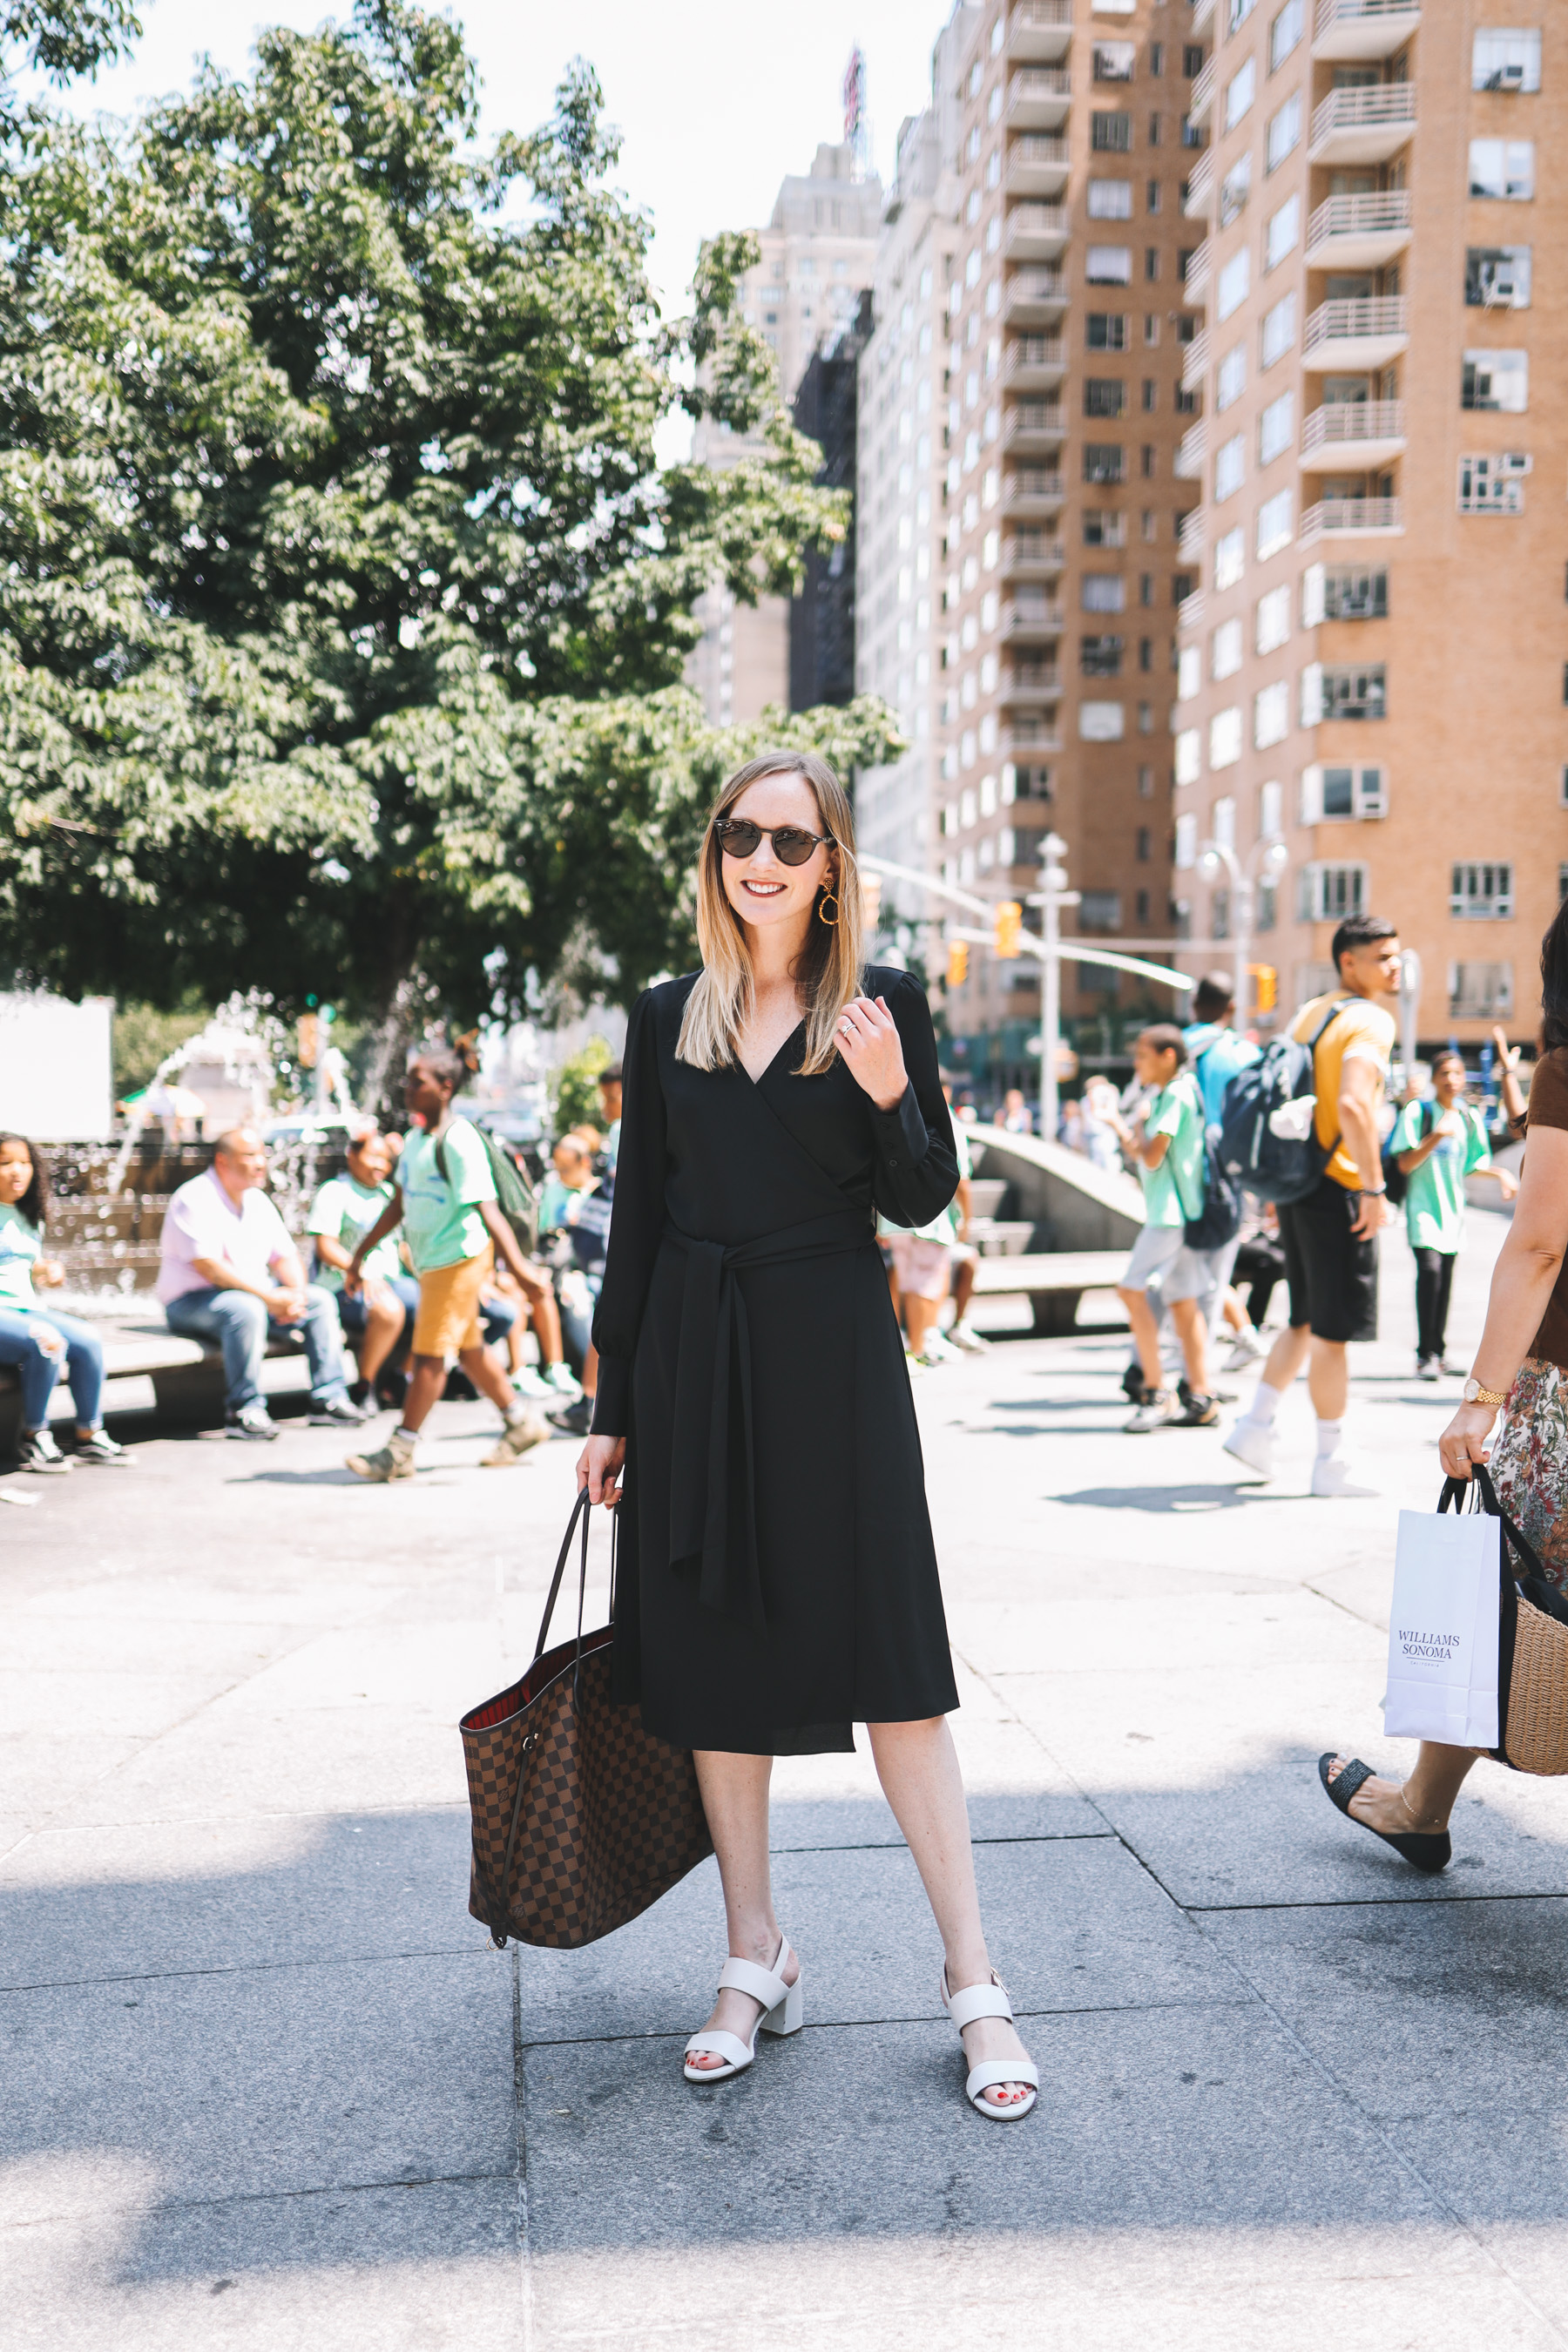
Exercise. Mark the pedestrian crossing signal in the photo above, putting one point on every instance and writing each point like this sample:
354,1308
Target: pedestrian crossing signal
1267,980
1009,922
957,962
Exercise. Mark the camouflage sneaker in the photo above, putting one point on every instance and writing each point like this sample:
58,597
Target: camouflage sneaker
387,1463
518,1438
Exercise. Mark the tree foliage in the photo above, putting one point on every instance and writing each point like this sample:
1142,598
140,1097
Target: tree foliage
342,603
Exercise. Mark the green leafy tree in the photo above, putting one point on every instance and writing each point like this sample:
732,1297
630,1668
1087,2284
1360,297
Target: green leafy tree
343,604
573,1089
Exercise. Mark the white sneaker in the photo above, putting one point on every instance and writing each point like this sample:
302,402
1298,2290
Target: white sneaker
1333,1477
965,1336
938,1350
1158,1411
530,1382
1250,1349
1251,1442
561,1381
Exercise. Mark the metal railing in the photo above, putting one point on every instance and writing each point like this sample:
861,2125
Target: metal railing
1027,285
1190,538
1351,515
1198,265
1019,493
1039,147
1040,16
1369,216
1200,185
1027,620
1369,316
1353,420
1194,358
1033,417
1383,105
1345,12
1204,90
1017,557
1030,354
1190,611
1190,453
1032,83
1036,220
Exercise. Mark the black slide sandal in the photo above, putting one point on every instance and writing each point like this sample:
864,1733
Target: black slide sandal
1427,1852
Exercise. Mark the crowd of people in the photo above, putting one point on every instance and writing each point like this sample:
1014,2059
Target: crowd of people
414,1279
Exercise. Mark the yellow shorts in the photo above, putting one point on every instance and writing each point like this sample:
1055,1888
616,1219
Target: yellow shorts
447,1320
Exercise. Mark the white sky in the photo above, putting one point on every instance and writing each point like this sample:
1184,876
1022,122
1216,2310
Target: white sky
717,99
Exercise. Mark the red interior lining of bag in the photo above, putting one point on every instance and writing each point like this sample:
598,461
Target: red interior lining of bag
508,1703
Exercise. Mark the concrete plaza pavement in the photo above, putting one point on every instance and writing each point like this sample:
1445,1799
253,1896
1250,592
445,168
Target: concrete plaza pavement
266,2084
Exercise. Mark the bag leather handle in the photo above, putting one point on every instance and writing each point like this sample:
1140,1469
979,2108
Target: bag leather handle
1478,1494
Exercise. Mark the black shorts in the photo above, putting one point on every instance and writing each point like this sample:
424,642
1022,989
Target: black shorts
1333,1274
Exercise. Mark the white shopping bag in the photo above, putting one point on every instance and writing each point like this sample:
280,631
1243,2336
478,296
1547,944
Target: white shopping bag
1443,1632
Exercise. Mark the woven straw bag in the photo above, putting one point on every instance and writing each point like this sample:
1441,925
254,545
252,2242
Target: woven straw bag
1533,1645
581,1817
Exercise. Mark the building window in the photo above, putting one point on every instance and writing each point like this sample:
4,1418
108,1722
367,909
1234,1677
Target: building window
1231,289
1273,620
1104,396
1152,195
1110,200
1105,330
1355,693
1100,722
1229,558
1233,190
1099,910
1151,396
1112,60
1225,738
1226,649
1267,903
1481,894
1279,331
1274,525
1270,812
1271,715
1283,231
1275,428
1340,796
1111,134
1188,756
1104,462
1498,380
1104,530
1192,59
1283,134
1148,460
1480,992
1496,277
1240,91
1285,31
1506,60
1156,60
1351,592
1142,846
1230,377
1151,264
1493,482
1186,850
1100,657
1108,265
1503,168
1330,893
1230,469
1103,592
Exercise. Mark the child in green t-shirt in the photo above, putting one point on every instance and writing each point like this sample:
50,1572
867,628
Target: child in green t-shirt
1438,1143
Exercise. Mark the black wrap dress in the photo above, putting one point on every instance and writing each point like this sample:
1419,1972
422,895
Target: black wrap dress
777,1581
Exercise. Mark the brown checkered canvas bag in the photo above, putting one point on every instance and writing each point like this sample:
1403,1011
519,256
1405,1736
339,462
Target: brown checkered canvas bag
581,1818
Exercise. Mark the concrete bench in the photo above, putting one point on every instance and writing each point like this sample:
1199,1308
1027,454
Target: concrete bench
187,1376
1053,1282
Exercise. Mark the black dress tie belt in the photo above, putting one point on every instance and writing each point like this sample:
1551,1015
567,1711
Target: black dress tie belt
713,1503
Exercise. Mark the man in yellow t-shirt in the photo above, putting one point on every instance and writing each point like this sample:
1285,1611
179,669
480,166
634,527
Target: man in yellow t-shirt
1329,1239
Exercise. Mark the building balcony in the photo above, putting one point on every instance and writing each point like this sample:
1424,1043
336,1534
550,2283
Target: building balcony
1035,363
1348,32
1200,188
1035,232
1359,232
1204,89
1352,518
1189,613
1033,558
1034,426
1363,126
1189,465
1038,31
1350,336
1194,285
1026,691
1353,433
1037,165
1037,97
1025,623
1035,297
1190,538
1034,490
1194,361
1202,16
1029,740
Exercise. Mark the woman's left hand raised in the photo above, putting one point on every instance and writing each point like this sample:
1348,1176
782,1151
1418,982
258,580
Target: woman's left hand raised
867,1037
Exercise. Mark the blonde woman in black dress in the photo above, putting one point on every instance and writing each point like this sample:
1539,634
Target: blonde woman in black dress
778,1581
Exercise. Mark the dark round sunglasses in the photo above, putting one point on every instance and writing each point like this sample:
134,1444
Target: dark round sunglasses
739,838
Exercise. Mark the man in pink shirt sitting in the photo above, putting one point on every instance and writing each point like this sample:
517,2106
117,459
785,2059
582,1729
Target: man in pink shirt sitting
230,1271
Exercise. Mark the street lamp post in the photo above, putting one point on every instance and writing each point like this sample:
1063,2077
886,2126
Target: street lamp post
1050,898
1265,862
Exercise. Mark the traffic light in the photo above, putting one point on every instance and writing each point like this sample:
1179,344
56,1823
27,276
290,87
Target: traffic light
309,1038
957,962
1267,980
1009,922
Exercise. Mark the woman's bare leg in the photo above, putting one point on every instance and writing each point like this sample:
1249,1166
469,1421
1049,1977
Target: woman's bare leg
1425,1800
736,1799
918,1766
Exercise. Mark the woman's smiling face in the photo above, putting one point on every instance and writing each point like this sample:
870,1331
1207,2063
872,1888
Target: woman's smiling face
761,888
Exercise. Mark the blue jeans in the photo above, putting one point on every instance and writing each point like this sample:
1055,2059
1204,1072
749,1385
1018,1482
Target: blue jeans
240,1324
27,1336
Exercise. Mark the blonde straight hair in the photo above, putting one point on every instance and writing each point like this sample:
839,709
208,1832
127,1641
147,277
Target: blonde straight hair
720,1006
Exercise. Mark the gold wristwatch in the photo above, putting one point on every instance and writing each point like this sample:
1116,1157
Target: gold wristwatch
1475,1395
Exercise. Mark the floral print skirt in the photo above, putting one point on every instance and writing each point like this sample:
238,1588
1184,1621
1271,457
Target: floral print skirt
1530,1464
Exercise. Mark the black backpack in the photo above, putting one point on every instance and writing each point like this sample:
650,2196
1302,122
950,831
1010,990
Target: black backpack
1219,1220
1396,1182
1278,1168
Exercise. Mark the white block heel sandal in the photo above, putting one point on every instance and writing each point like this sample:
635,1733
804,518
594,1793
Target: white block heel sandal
784,2011
990,2001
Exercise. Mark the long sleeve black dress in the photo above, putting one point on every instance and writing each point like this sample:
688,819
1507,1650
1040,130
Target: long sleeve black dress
777,1579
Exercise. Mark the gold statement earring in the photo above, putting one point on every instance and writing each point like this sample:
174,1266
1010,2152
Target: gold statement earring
822,914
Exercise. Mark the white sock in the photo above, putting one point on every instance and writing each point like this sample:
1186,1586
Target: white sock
1329,1436
1265,1405
405,1440
514,1412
